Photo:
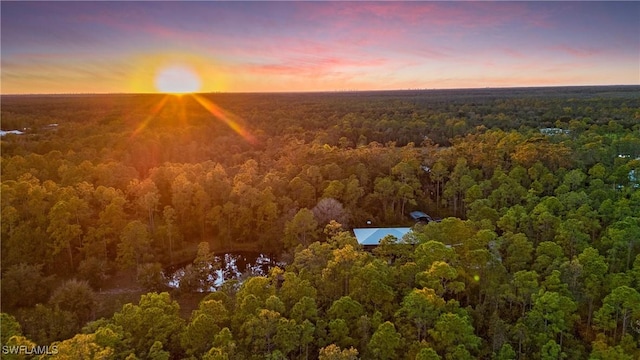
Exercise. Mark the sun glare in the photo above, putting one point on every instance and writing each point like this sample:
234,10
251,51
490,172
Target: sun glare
177,79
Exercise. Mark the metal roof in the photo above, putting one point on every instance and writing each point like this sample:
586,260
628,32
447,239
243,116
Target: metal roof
417,214
372,236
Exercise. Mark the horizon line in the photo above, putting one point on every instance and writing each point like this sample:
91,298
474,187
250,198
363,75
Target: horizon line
319,91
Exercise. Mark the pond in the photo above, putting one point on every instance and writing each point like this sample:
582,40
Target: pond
229,266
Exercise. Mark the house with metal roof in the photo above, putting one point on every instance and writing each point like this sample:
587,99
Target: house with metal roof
370,237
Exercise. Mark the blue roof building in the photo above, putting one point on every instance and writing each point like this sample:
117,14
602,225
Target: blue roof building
372,236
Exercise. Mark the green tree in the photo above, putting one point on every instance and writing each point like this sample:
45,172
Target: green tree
571,237
518,250
149,277
306,330
303,192
9,327
146,199
506,352
459,182
353,192
347,309
431,251
99,240
621,305
305,310
171,229
95,271
333,352
157,353
24,285
64,229
224,346
549,257
205,267
515,220
17,342
622,240
526,285
371,286
287,337
155,318
385,342
46,324
602,351
453,336
551,318
385,191
205,323
294,288
409,187
339,333
442,278
340,269
302,229
134,246
552,351
427,353
438,173
82,346
268,220
76,297
594,268
257,333
334,189
182,195
420,308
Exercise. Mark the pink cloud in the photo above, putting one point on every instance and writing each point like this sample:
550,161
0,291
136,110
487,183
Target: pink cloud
313,66
579,52
432,14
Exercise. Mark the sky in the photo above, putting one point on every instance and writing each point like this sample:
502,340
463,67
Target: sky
126,47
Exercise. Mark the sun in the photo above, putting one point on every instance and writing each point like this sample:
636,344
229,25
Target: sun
177,79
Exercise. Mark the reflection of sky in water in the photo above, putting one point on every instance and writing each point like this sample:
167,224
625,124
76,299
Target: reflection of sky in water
232,267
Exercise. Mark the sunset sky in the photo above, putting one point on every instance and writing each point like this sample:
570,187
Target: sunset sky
121,47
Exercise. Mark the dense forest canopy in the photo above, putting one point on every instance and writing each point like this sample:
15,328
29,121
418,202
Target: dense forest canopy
537,255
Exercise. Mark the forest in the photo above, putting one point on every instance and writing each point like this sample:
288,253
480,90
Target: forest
537,255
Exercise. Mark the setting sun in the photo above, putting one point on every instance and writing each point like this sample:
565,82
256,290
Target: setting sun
177,79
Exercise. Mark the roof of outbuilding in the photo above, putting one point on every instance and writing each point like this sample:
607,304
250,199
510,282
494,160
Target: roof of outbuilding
417,214
372,236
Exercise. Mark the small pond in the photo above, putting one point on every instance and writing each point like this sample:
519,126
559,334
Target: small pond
229,266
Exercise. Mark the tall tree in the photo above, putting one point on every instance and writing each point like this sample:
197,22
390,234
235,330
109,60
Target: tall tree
64,229
438,173
385,342
453,336
134,245
333,352
594,269
622,305
420,308
146,198
155,318
302,229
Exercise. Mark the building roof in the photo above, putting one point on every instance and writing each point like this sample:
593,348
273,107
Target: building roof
372,236
417,214
554,131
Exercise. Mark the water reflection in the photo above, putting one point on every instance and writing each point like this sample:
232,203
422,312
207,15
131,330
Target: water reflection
230,266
